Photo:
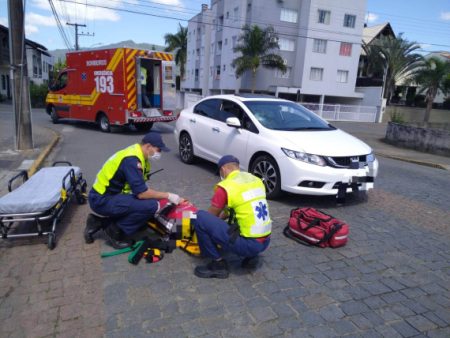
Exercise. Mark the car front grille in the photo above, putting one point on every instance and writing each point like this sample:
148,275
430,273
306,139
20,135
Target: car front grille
347,162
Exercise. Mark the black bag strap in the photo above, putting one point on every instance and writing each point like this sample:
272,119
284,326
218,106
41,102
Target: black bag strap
288,234
327,237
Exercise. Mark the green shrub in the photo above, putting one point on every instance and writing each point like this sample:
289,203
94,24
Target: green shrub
38,94
419,101
397,117
446,103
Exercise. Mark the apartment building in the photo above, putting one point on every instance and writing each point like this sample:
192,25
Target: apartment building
320,41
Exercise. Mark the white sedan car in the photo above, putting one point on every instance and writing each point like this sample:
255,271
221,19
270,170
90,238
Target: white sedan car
289,147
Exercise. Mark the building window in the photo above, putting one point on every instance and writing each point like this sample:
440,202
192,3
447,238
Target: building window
196,74
316,74
288,15
224,68
324,17
342,76
236,13
220,25
320,46
35,66
286,44
228,15
198,52
345,49
3,82
217,72
226,42
234,38
286,75
219,47
349,20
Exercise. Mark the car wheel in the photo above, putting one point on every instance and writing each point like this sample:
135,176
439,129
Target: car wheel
103,123
54,115
146,126
267,170
186,149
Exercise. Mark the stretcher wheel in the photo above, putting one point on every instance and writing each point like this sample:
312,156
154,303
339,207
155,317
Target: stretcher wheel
81,198
51,241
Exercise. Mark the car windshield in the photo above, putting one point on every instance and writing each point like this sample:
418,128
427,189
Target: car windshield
281,115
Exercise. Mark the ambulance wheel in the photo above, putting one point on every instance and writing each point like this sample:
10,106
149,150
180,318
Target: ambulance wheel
266,168
186,149
144,126
51,241
103,123
54,115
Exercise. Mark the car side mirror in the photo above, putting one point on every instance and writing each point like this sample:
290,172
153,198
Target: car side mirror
233,122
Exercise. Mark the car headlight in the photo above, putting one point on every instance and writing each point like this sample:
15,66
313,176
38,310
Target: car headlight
301,156
370,157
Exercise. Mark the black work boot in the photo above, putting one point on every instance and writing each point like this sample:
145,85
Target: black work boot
93,225
250,262
115,237
214,269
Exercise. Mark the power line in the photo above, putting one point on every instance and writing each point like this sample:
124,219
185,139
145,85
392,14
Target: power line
60,27
222,25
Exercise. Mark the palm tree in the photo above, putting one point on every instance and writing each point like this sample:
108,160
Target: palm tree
394,58
434,76
256,46
178,41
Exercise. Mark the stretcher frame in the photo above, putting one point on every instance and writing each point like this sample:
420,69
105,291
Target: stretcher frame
77,187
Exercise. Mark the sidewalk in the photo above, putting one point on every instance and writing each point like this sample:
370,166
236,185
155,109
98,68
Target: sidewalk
13,161
374,133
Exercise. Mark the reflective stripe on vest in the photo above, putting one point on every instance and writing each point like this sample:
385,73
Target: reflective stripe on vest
247,197
111,166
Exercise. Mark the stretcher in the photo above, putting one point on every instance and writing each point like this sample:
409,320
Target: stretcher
41,199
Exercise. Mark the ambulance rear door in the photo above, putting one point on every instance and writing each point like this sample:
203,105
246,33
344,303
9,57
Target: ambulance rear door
169,93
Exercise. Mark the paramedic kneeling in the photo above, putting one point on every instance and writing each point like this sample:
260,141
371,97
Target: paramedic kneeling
121,194
241,197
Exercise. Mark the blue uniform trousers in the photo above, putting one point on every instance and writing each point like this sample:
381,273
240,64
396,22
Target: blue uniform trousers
212,231
128,212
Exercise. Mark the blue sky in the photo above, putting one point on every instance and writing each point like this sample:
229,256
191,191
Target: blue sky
423,21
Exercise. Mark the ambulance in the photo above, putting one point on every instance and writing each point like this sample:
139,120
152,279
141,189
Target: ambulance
115,87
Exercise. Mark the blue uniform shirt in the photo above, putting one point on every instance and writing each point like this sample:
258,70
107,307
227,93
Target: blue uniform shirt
129,171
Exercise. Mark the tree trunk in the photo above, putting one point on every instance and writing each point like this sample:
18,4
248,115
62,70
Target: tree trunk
431,95
428,112
253,80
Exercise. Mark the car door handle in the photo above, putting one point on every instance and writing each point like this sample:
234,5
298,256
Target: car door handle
216,129
192,120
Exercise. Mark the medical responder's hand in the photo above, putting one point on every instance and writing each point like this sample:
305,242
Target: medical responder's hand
174,198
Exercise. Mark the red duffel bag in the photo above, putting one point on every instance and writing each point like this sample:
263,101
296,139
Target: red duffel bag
314,227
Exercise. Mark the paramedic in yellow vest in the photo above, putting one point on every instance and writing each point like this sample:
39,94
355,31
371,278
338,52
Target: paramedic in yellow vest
242,196
144,79
120,192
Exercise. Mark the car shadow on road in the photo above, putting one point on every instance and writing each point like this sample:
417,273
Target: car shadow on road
322,202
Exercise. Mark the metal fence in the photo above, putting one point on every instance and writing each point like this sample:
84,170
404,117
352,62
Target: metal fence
341,112
330,112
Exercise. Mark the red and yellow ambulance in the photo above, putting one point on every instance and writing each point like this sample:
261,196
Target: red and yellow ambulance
115,87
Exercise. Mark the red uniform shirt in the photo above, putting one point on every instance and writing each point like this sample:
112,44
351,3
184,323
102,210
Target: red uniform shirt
220,198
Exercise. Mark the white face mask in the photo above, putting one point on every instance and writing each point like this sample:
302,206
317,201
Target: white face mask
156,156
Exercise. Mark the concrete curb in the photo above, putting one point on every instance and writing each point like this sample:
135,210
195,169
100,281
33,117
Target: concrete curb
43,155
424,163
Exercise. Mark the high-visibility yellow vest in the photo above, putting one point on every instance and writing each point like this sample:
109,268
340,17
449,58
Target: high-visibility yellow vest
111,166
247,197
143,76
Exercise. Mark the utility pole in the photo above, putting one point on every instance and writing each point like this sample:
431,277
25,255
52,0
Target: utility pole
77,47
19,76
